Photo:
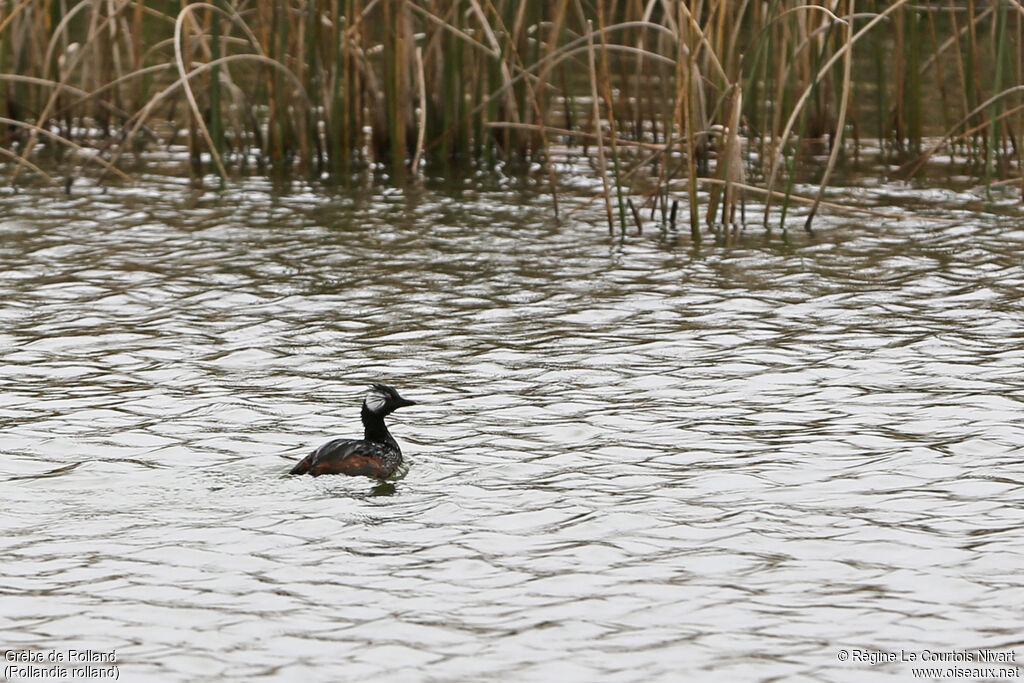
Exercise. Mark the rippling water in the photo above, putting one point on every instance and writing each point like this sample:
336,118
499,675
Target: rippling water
634,461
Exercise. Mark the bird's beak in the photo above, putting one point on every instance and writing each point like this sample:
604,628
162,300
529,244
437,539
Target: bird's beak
406,402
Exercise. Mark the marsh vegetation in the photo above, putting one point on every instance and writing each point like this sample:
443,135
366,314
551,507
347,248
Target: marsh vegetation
697,103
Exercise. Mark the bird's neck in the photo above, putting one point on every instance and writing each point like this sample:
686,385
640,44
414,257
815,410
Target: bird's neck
374,428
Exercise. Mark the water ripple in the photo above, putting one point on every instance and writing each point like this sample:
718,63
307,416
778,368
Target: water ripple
631,462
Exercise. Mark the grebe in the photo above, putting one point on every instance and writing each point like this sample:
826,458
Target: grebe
376,455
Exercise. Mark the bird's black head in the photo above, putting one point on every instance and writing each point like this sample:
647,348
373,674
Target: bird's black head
383,400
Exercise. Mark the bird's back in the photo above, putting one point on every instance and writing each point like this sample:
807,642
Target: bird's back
354,457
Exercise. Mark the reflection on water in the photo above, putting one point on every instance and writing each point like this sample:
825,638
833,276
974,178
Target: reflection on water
633,461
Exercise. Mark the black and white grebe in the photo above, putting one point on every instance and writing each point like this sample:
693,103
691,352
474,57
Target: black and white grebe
377,455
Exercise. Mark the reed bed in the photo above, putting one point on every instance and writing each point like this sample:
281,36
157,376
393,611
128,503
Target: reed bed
698,103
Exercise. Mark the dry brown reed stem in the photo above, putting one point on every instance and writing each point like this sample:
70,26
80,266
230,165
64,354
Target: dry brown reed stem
71,90
844,101
18,158
14,14
659,148
468,81
753,189
802,101
182,72
705,43
596,107
836,206
64,141
690,110
536,95
948,137
606,94
953,40
142,115
733,158
506,75
578,45
45,113
554,31
1020,118
421,88
446,26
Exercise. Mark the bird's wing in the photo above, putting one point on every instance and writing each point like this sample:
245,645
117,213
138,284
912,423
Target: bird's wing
337,448
354,458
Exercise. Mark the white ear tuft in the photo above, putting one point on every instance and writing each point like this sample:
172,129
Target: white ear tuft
375,400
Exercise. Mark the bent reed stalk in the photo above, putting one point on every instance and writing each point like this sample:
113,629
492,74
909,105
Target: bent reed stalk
667,101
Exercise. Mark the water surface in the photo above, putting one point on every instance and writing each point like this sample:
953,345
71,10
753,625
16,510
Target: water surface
634,460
